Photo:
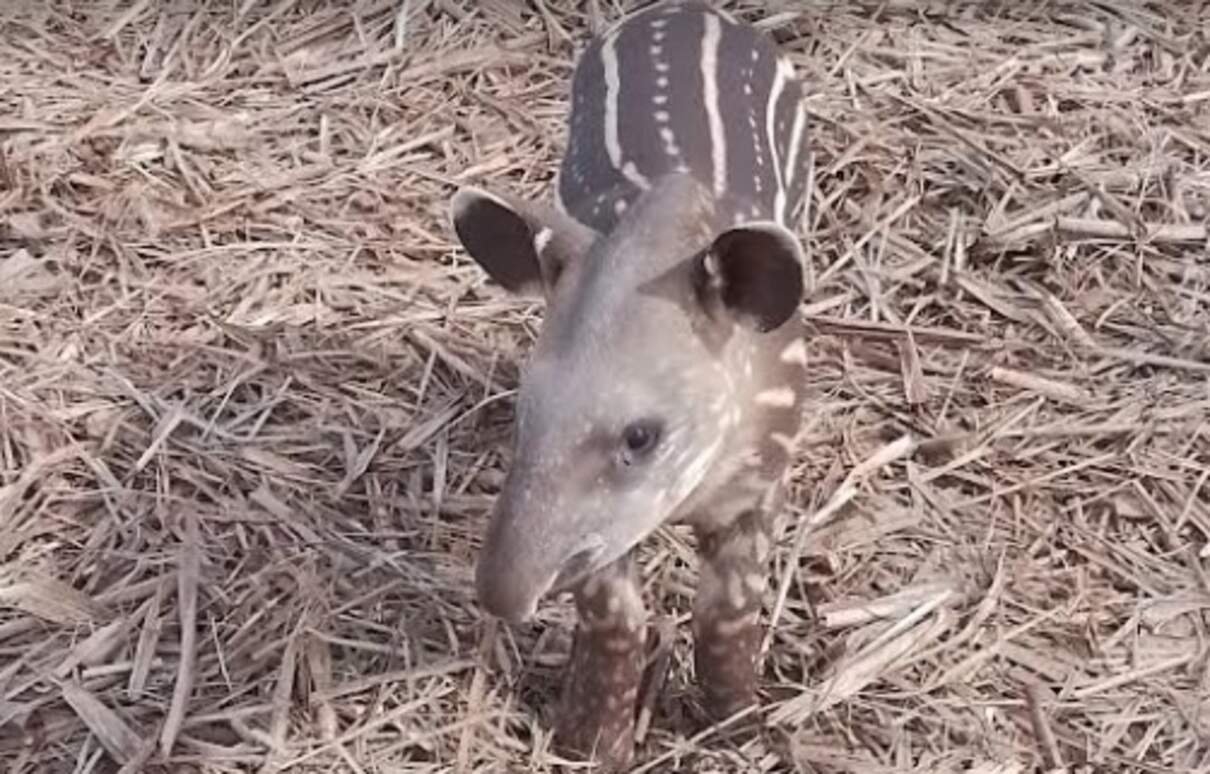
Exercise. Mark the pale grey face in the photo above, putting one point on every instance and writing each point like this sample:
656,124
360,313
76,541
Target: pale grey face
626,402
614,430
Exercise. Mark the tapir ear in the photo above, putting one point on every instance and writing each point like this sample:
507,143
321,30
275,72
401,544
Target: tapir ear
753,272
523,247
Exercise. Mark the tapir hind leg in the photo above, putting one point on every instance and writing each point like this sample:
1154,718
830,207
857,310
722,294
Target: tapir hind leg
727,631
597,715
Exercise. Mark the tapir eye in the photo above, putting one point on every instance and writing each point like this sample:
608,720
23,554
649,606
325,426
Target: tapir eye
640,438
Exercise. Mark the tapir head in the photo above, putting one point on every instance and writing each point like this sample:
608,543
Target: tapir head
628,398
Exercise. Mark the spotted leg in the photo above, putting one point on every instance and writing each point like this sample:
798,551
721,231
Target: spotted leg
597,715
726,617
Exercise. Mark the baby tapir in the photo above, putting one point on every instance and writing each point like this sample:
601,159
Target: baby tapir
666,382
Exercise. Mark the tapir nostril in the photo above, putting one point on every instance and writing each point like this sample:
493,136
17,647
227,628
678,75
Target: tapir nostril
579,564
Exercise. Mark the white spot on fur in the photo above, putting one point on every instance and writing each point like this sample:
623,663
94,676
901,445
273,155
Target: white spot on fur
619,206
609,60
800,120
761,546
662,81
632,172
656,49
795,353
662,116
729,627
618,645
735,591
541,240
756,582
780,77
718,138
784,441
669,138
660,99
776,397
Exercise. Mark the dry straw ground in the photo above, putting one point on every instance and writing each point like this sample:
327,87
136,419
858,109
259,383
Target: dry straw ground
254,403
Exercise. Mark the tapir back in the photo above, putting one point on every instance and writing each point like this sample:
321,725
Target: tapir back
681,87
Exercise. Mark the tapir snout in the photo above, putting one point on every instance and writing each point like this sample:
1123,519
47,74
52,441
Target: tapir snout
525,556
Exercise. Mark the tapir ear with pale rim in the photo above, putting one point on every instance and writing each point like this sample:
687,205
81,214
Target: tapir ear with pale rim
753,272
522,247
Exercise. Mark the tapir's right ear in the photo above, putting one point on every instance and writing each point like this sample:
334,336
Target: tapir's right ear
522,247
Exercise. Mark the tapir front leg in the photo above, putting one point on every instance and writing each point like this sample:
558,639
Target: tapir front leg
733,577
597,715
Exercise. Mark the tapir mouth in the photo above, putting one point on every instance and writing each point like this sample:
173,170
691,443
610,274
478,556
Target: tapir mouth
581,563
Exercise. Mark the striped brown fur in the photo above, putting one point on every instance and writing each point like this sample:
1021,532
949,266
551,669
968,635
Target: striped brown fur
649,78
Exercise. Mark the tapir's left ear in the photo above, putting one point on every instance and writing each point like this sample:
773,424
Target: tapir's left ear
520,245
753,272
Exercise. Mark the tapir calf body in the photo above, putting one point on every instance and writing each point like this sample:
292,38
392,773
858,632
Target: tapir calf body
665,385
